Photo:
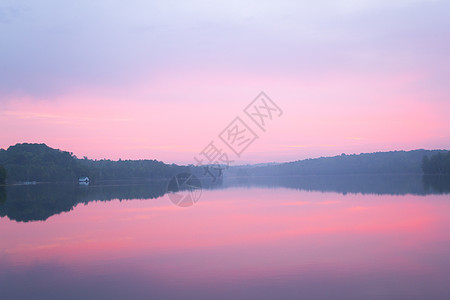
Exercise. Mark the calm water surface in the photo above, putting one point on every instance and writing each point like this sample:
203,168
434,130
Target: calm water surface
240,241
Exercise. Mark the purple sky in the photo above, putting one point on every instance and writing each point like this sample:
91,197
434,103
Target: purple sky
141,79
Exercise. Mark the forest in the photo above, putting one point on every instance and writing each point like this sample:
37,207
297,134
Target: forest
38,162
392,162
438,163
3,174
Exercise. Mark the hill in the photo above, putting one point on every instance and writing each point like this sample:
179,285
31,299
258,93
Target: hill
393,162
38,162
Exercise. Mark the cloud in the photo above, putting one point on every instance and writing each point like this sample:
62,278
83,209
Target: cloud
358,6
57,48
8,13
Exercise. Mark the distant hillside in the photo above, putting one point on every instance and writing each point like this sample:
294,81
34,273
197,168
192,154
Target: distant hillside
394,162
38,162
437,164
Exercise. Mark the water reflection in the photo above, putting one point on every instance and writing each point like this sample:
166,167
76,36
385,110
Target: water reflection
437,183
2,194
365,184
239,242
41,201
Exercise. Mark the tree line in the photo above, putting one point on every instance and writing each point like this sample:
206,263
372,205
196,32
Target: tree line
392,162
438,163
38,162
2,174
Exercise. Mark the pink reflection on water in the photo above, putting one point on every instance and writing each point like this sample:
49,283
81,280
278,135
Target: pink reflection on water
278,240
255,230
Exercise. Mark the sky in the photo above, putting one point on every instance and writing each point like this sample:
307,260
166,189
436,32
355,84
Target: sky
162,79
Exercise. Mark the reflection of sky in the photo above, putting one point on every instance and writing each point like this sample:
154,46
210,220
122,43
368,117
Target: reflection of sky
239,240
121,79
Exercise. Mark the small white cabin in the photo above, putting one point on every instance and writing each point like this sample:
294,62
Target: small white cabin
83,179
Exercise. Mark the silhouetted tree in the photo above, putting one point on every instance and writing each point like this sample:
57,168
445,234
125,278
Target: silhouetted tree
38,162
393,162
2,174
437,164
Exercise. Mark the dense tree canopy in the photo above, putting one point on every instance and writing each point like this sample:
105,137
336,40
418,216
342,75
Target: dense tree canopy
438,163
38,162
393,162
127,169
2,174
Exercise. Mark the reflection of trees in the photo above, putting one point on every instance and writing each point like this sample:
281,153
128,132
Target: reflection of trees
41,201
436,183
364,184
2,194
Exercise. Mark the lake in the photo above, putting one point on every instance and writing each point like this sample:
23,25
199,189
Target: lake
337,237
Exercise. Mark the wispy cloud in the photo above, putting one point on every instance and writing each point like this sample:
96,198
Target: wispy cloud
143,78
309,145
296,203
358,208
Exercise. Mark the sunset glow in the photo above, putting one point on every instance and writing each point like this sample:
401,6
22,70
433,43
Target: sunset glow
345,80
156,227
196,149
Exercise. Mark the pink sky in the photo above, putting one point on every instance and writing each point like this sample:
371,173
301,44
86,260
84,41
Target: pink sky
167,85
